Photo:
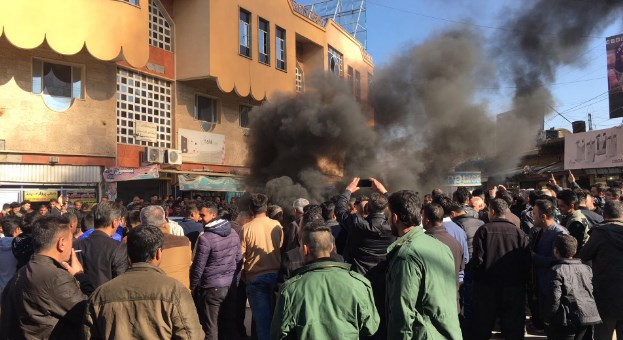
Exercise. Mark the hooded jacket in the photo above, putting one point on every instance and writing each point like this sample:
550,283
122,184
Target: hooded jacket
605,250
217,260
8,262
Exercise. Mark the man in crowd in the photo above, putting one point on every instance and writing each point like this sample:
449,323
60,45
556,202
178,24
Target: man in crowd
368,238
8,262
55,207
25,207
43,210
461,196
143,303
432,220
214,274
575,222
46,298
103,258
598,191
73,223
291,231
500,265
453,229
177,255
315,291
605,250
261,244
587,207
469,224
15,210
191,224
339,234
612,194
421,280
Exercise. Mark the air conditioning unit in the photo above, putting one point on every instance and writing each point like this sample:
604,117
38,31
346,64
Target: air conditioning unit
153,155
173,156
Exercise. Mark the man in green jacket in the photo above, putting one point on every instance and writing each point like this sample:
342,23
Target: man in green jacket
421,279
324,299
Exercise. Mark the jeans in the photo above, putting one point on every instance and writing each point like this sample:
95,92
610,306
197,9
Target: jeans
261,295
604,330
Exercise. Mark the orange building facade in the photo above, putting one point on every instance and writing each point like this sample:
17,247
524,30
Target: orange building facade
100,95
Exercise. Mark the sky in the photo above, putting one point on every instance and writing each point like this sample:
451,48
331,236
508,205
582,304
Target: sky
394,25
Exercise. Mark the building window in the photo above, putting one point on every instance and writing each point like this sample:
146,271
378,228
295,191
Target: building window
57,80
205,109
335,62
159,28
349,78
244,115
280,48
264,42
132,2
143,98
299,78
357,85
245,33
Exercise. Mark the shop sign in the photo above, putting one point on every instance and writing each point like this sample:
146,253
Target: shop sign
84,196
40,195
464,179
205,183
117,174
146,131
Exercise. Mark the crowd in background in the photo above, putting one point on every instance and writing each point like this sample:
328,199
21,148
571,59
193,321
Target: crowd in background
364,264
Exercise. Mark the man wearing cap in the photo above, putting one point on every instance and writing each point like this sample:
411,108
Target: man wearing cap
291,231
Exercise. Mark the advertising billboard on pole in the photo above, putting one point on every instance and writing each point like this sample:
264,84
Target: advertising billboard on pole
614,49
594,149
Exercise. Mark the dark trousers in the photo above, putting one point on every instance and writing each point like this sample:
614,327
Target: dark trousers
490,302
604,330
555,332
240,309
212,306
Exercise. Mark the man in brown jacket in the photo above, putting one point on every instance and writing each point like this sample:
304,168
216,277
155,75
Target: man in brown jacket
143,303
176,249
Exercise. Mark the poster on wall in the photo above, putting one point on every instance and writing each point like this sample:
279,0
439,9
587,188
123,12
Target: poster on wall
40,195
84,196
614,52
201,147
205,183
594,149
117,174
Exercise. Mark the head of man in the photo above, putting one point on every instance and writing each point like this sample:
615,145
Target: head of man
316,240
404,207
432,216
311,213
613,211
191,212
258,204
567,202
153,215
298,206
107,216
461,195
585,199
446,204
154,198
565,247
54,203
360,204
77,205
43,210
136,200
544,212
477,203
457,210
497,208
613,194
599,190
145,245
208,212
506,196
73,222
177,209
133,219
52,237
328,211
87,222
377,204
15,208
275,212
436,192
26,205
10,226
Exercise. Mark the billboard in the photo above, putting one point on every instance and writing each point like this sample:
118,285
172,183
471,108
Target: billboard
118,174
614,49
464,179
594,149
201,147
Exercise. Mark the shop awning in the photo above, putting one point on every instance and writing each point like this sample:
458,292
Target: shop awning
207,183
41,173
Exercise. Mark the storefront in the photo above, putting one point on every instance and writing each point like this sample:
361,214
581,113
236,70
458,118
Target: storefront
40,183
225,187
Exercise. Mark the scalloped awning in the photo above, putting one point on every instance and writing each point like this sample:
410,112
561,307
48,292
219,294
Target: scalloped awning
110,29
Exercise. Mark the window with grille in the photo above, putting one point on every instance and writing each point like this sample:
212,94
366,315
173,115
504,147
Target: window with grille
159,28
244,115
349,78
205,109
263,41
357,85
280,48
143,98
299,78
245,33
335,62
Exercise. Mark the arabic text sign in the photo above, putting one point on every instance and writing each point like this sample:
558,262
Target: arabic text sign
464,179
116,174
40,195
84,196
146,131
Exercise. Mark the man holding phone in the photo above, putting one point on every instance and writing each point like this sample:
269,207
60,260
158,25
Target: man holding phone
368,237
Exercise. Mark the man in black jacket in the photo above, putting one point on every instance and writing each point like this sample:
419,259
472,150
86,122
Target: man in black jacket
368,238
102,257
586,206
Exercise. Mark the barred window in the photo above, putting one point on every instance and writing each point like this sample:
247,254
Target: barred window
143,98
280,48
336,62
159,28
299,78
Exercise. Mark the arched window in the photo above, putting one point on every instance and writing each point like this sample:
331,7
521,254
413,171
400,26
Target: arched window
160,32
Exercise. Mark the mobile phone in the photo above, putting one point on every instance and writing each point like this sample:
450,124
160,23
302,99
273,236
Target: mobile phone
364,183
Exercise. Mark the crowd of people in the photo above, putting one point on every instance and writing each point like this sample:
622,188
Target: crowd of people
377,265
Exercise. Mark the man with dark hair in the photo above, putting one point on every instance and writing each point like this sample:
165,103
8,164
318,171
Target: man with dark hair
192,223
469,224
453,229
432,218
261,243
142,303
421,282
45,299
605,250
369,237
575,222
15,210
25,207
73,223
587,207
461,196
612,194
598,191
542,246
103,258
339,233
54,208
500,265
214,273
508,198
317,288
8,262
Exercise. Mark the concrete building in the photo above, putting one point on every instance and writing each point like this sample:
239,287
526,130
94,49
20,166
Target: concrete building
121,97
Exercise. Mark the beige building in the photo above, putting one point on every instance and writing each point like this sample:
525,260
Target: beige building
125,84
